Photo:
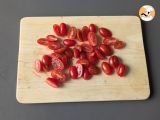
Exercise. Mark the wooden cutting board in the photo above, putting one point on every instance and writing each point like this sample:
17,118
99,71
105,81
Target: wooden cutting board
31,87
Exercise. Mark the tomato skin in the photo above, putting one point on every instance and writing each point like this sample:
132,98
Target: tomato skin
93,70
60,50
42,41
38,66
76,53
85,31
99,54
107,69
114,61
84,62
87,47
63,29
79,35
92,28
51,38
56,29
105,49
69,53
52,82
59,75
92,38
73,72
80,70
54,45
104,32
121,70
69,42
86,74
72,33
119,44
109,41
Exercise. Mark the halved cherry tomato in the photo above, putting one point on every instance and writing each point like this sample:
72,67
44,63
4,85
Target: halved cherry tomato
73,72
119,44
92,28
80,69
121,70
38,65
69,42
79,35
42,41
56,29
72,33
54,45
69,52
114,61
104,32
105,49
53,82
76,53
93,70
85,31
99,54
63,29
86,74
82,55
46,59
87,47
92,38
84,62
109,41
51,38
59,75
57,64
107,69
60,50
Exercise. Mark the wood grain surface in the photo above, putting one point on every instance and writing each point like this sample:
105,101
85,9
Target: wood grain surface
31,87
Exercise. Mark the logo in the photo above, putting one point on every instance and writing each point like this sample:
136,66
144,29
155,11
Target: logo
146,13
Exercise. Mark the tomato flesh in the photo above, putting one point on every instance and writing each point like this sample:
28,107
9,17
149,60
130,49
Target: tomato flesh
59,75
38,65
52,82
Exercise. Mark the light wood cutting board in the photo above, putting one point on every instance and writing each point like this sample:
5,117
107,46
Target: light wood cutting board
31,87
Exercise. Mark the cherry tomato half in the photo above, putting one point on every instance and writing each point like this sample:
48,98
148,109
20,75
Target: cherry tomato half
104,32
114,61
42,41
107,69
73,72
79,35
76,53
80,69
52,82
119,44
51,38
86,74
109,41
87,47
99,54
69,42
121,70
106,50
92,38
54,45
69,53
72,33
38,65
63,29
60,50
59,75
85,31
92,28
56,29
93,70
57,64
84,62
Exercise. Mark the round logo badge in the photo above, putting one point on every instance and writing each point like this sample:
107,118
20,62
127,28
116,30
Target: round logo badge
146,13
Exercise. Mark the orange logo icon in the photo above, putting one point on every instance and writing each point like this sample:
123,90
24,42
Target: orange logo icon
146,13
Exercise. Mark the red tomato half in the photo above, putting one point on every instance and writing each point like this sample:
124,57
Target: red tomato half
51,38
99,54
38,65
85,31
73,72
121,70
107,69
87,47
54,45
92,38
57,64
42,41
72,33
79,69
56,29
60,50
79,35
63,29
84,62
106,50
93,70
92,28
104,32
52,82
59,75
119,44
